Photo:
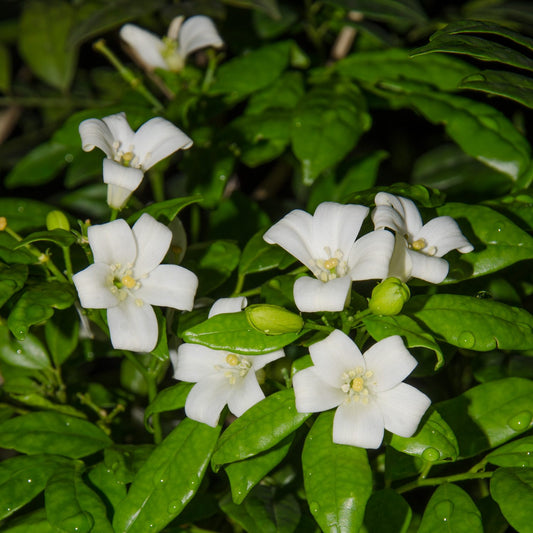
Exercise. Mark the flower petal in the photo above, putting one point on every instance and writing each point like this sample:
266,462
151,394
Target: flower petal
132,327
245,394
92,288
196,33
169,286
194,362
146,45
405,207
400,264
153,240
259,361
334,356
336,226
156,139
390,361
312,295
370,255
358,424
312,394
228,305
294,233
444,234
384,216
112,243
402,406
94,133
207,399
429,268
120,129
121,181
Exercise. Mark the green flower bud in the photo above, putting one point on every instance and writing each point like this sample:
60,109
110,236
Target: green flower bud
273,319
57,220
388,297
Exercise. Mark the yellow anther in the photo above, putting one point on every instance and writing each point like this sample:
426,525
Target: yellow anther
331,263
3,223
358,384
232,359
43,258
128,282
419,244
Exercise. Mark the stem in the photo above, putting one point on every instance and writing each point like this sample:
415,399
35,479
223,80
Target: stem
127,75
440,480
157,185
113,215
68,262
210,71
311,325
239,284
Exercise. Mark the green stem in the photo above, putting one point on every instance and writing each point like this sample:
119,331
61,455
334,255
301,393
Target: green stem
113,215
127,75
311,325
157,185
210,71
239,284
440,480
68,261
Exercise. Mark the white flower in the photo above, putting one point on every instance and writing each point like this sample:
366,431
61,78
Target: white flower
325,243
221,377
130,154
366,389
170,52
127,279
419,247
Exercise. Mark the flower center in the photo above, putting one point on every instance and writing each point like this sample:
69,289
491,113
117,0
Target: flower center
125,158
122,284
356,385
235,368
421,245
333,267
171,56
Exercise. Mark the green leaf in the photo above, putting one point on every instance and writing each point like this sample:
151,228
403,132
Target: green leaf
387,512
166,211
57,236
336,494
36,400
415,336
28,353
23,214
34,521
374,66
126,460
489,414
233,332
512,489
5,69
61,333
245,475
472,323
451,509
434,441
168,480
71,505
43,33
24,477
284,93
12,279
517,453
169,399
501,83
55,433
104,480
37,304
259,256
405,12
327,125
260,428
497,241
253,71
422,195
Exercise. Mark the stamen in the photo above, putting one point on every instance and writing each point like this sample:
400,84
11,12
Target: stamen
331,263
128,282
232,359
139,302
358,384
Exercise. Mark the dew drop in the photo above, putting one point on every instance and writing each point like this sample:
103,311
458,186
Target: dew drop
29,480
431,455
521,421
466,339
173,507
19,351
315,508
444,510
79,523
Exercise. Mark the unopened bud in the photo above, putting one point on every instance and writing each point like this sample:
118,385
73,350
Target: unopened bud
273,319
388,297
57,220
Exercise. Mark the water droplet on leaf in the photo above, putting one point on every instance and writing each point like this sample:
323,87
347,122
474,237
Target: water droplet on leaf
315,508
466,339
174,507
430,455
521,421
79,523
444,510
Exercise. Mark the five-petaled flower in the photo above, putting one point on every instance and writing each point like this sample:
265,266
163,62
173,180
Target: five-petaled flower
221,377
419,247
326,244
366,389
130,154
127,279
170,52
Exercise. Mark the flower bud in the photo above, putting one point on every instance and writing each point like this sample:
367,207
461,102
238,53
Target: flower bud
273,319
57,220
388,297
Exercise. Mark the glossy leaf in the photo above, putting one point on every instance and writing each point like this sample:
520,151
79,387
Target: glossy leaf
497,241
434,441
284,93
518,453
28,353
451,509
259,256
233,332
57,236
126,460
24,214
166,211
337,495
260,428
512,489
12,279
43,34
71,505
8,254
37,304
387,512
326,126
472,323
36,400
489,414
168,480
415,336
245,475
169,399
34,521
423,196
107,484
44,432
61,333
